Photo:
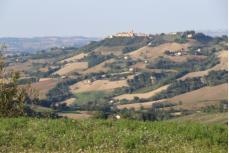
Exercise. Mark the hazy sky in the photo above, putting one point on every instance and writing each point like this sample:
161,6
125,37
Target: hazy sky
27,18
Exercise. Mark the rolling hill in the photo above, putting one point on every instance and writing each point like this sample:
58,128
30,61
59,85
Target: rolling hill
167,73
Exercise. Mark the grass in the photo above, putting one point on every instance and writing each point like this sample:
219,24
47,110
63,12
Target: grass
67,135
41,109
84,97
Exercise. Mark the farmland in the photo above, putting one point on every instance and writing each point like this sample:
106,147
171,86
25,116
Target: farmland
142,95
97,85
191,100
84,97
156,77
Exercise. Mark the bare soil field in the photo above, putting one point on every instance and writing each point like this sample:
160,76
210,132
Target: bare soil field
223,65
40,60
201,97
44,69
192,100
83,115
19,66
142,95
68,102
99,67
45,79
72,67
74,58
44,86
137,106
86,85
152,53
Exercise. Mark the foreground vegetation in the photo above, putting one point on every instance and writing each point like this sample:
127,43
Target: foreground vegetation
66,135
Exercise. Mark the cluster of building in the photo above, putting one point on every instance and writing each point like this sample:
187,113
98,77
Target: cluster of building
128,34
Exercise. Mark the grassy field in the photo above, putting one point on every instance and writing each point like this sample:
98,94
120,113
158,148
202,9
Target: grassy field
38,108
67,135
83,97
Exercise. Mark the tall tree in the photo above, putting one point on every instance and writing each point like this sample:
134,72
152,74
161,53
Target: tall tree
12,97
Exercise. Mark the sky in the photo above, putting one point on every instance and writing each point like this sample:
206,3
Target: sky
100,18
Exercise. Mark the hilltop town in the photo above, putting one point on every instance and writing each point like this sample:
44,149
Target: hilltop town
129,34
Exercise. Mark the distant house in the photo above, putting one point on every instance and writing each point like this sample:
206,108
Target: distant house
172,33
178,54
189,36
117,117
63,77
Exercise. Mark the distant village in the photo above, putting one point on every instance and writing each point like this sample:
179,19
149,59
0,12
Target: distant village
129,34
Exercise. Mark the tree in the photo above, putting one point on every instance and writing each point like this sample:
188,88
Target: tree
12,98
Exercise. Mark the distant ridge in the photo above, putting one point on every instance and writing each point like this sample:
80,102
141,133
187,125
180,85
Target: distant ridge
213,33
33,44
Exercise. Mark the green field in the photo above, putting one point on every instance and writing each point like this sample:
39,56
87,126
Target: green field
67,135
85,97
72,112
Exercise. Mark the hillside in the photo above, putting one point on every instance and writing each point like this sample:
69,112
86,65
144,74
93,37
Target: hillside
66,135
193,100
152,75
223,65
